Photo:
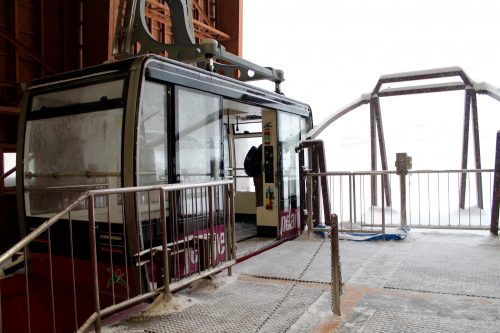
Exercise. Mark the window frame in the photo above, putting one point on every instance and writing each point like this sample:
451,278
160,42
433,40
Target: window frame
6,148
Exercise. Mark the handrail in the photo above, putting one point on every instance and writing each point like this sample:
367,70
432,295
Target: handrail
427,201
87,174
96,316
40,229
394,172
47,224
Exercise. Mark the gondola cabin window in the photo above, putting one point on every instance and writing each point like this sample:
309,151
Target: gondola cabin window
73,143
198,136
153,135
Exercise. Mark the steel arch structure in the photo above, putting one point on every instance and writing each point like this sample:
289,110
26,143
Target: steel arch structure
471,90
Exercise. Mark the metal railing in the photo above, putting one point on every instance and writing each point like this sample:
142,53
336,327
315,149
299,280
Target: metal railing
182,232
432,199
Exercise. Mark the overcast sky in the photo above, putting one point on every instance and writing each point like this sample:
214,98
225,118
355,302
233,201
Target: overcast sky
334,51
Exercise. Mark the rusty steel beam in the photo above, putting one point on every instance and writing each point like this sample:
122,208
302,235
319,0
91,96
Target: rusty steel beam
229,18
495,205
16,36
383,152
201,12
477,149
422,89
423,75
465,148
315,186
42,32
302,188
324,184
373,146
317,153
20,46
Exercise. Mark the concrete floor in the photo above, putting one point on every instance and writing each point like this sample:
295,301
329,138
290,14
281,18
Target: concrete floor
430,282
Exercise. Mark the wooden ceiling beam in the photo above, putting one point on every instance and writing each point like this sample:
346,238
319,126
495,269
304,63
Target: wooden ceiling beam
20,46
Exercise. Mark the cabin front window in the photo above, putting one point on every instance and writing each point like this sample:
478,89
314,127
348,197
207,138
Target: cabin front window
73,143
198,136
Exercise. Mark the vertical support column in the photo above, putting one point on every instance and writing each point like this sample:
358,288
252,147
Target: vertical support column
309,203
213,239
315,186
166,269
17,75
477,149
229,18
233,226
373,142
335,266
465,148
495,205
354,196
64,41
402,186
403,164
93,259
324,184
42,33
382,204
383,154
302,189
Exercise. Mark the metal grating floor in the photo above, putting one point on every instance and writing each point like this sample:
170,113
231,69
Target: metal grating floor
454,269
421,284
449,269
239,307
289,259
417,313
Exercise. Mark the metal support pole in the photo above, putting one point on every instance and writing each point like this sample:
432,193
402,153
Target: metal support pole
354,196
93,258
324,184
402,186
166,269
465,148
350,200
477,150
315,186
318,166
336,283
213,241
309,203
232,226
373,142
302,189
383,154
495,206
403,164
382,183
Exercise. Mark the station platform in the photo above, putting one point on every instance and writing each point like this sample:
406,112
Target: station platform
432,281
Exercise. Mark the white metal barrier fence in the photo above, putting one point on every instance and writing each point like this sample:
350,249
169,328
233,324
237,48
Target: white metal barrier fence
184,232
432,199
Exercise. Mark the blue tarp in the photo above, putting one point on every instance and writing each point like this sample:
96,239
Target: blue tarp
374,237
401,234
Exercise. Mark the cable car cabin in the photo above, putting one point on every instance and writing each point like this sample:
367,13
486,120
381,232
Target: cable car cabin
144,121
